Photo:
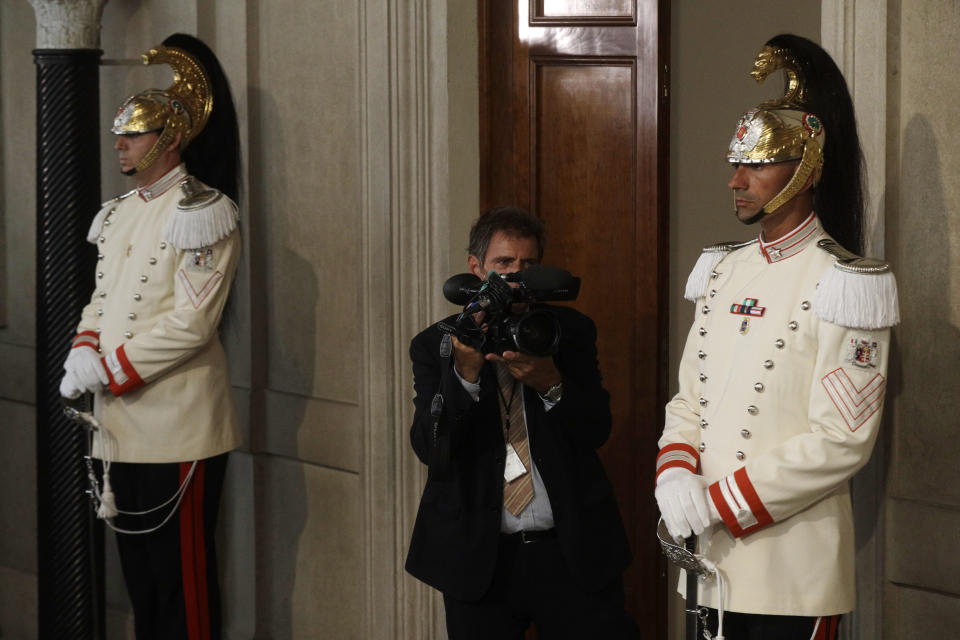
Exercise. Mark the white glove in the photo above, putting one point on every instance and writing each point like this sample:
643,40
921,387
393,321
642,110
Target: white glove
68,386
685,502
88,372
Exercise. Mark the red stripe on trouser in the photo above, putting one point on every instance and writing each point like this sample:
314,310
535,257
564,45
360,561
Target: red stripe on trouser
193,555
828,628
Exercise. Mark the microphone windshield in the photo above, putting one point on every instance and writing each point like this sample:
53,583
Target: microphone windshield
549,283
460,288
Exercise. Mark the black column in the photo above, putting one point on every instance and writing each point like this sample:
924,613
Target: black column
70,539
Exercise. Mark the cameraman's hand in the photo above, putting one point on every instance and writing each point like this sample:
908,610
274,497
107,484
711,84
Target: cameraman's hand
537,373
467,361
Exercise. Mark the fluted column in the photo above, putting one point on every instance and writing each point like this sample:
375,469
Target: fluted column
70,541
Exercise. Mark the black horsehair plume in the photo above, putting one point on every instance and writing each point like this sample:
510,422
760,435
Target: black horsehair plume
839,197
214,155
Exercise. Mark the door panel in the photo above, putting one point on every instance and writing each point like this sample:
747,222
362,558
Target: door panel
583,11
573,127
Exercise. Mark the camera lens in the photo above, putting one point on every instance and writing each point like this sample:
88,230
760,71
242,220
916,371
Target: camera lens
536,332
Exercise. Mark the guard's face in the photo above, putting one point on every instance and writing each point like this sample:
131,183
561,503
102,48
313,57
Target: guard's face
754,185
505,254
132,147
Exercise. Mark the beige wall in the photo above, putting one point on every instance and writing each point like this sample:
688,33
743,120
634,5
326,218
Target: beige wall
922,597
359,130
18,521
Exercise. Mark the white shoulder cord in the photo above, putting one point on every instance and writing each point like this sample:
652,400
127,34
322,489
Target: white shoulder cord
106,502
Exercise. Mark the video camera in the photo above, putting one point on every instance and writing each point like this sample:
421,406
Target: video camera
535,331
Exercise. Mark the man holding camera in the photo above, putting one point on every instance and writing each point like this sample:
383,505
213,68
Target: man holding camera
518,523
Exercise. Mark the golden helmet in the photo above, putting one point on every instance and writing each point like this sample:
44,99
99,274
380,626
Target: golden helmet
781,129
184,107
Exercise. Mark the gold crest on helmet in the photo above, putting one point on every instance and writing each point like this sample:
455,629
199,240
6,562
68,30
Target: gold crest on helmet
779,130
184,107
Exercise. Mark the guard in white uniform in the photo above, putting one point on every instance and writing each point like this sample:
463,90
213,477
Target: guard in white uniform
783,376
148,346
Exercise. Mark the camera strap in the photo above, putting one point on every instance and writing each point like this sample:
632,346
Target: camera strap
507,405
439,437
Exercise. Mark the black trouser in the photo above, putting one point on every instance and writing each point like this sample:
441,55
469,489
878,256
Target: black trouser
532,585
751,626
171,573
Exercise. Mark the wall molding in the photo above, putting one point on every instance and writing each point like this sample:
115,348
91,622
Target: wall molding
854,32
405,218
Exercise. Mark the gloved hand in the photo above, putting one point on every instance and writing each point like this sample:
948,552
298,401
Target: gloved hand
87,370
69,388
684,502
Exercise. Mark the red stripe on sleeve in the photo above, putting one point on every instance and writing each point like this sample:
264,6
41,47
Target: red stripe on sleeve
723,509
133,378
678,448
753,500
673,464
86,339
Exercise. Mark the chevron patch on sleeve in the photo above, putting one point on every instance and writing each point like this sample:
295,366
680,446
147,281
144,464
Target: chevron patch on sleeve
855,405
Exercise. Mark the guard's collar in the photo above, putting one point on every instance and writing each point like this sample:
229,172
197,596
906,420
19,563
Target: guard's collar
163,184
792,243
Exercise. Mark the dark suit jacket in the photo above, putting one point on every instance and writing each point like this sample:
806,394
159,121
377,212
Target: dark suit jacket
455,537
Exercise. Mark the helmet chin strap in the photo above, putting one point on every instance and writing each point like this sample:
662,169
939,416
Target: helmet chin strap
811,164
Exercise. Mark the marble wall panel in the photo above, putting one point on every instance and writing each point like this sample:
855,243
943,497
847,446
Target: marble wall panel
317,431
17,375
18,178
18,604
119,611
236,549
930,564
925,252
241,401
463,133
18,513
309,560
915,613
305,121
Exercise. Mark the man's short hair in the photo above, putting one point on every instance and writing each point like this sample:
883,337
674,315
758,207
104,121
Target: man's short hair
512,221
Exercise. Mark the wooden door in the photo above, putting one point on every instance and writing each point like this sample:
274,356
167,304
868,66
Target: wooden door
574,127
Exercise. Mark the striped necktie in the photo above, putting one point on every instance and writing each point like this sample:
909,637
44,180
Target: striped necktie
518,493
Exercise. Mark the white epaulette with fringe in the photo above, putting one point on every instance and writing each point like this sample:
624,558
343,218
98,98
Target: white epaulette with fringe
699,279
96,227
856,292
203,217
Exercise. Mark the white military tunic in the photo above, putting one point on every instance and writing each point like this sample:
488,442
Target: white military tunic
777,409
154,316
